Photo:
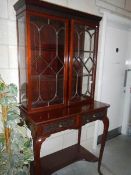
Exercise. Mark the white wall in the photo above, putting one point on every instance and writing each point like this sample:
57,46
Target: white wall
8,62
121,7
116,34
84,5
129,46
113,73
127,91
8,42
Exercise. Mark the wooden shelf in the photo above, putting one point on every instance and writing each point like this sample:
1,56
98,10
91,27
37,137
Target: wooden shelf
60,159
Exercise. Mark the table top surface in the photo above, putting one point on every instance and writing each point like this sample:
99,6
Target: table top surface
64,113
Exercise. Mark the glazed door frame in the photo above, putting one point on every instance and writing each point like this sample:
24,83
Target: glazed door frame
93,26
65,64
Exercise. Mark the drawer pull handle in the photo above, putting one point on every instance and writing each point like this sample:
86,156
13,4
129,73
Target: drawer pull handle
60,125
87,120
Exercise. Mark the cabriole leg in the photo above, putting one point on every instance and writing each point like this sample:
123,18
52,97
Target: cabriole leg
36,147
103,141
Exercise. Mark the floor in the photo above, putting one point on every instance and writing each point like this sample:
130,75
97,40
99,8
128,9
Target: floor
117,155
116,160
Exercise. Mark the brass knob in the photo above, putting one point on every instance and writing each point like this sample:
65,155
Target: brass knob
60,125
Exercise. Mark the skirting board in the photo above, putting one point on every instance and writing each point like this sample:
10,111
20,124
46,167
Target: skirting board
111,134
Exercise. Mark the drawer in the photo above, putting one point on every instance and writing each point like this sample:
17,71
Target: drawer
93,116
59,125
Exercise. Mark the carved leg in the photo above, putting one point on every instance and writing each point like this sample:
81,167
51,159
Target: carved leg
103,140
36,147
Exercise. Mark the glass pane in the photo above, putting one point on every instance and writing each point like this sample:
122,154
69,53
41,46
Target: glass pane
22,61
83,61
47,61
86,85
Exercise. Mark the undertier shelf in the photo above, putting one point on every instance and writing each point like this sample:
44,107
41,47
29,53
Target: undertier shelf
62,158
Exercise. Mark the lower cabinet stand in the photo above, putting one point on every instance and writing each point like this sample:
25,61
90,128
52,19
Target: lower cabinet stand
72,119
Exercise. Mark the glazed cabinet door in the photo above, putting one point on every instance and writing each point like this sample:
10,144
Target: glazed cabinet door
82,66
47,59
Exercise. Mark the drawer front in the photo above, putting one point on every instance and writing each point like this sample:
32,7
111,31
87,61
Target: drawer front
93,116
59,125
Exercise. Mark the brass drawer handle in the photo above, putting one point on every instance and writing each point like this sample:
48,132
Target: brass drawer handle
60,126
87,120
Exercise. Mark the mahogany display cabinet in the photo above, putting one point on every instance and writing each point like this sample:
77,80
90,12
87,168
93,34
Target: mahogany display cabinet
57,58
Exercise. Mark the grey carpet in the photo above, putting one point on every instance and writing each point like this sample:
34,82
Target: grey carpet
83,168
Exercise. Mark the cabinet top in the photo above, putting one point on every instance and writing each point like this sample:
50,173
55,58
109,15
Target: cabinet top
42,6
